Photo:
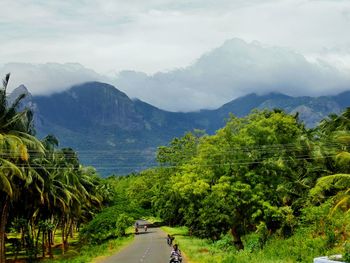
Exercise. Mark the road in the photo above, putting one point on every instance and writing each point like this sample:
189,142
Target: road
148,247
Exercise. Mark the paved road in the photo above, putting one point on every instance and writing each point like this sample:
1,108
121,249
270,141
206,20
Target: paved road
148,247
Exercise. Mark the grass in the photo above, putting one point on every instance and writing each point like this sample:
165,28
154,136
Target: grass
93,253
152,219
196,250
79,254
301,247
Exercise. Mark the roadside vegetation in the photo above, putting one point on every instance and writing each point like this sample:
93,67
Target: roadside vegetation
93,252
264,188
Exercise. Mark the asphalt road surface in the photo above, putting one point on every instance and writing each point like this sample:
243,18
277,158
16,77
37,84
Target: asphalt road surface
148,247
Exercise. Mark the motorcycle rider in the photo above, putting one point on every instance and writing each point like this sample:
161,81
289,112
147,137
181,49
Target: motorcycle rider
169,240
136,227
175,255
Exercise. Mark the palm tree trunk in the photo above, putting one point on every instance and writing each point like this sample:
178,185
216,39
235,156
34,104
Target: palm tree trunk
68,231
54,232
49,237
32,226
43,243
71,230
37,240
62,234
23,239
3,221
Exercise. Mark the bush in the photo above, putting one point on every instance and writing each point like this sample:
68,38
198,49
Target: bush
346,255
252,242
110,223
225,243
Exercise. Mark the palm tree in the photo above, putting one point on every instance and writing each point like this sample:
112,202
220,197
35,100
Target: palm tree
16,142
336,131
336,122
56,189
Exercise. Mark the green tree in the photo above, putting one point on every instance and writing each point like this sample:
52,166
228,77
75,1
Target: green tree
255,169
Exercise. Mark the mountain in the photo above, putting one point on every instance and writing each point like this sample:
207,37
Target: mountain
119,135
85,106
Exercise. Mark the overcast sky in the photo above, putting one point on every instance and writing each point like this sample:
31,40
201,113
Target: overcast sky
65,42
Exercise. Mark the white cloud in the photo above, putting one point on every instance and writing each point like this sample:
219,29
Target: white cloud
227,72
168,35
48,78
232,70
156,35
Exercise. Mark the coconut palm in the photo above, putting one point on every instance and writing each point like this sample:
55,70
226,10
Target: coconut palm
336,130
53,188
16,144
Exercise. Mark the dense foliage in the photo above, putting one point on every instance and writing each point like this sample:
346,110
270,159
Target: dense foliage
111,223
261,176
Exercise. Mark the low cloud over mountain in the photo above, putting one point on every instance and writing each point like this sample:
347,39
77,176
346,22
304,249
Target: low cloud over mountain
234,69
48,78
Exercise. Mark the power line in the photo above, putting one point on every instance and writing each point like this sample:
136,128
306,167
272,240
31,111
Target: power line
239,162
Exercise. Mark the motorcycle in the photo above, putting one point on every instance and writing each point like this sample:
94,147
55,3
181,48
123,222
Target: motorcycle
175,259
169,240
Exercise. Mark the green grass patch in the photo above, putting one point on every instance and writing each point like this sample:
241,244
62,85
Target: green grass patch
301,247
152,219
196,250
93,253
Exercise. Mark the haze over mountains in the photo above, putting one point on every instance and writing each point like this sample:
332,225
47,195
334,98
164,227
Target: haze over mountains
232,70
119,135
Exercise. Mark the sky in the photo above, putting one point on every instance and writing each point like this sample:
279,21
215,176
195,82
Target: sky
163,50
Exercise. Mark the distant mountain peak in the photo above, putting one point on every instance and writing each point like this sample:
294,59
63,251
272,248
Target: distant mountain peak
96,86
89,105
21,89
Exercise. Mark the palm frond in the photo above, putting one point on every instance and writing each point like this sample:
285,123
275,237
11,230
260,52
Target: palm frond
5,81
5,185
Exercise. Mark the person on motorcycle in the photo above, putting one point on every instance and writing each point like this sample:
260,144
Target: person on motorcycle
169,240
136,227
175,255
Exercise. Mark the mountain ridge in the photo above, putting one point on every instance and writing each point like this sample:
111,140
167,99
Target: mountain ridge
98,117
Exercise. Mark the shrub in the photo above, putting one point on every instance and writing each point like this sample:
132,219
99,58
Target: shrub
252,242
346,255
225,243
110,223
